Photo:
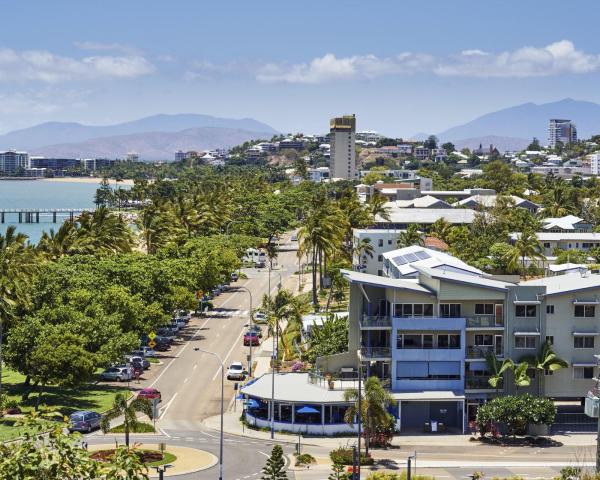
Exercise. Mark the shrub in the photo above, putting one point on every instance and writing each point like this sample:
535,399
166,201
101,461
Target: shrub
344,456
305,459
516,412
396,476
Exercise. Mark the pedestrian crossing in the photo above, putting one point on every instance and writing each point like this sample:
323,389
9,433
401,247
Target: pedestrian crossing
224,313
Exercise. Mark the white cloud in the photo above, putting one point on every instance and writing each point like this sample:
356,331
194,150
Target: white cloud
108,47
44,66
555,59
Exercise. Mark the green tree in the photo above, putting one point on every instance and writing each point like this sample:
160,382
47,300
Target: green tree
377,206
431,142
411,236
375,400
497,369
534,145
338,472
329,338
104,194
571,256
129,411
274,469
449,147
545,360
527,246
363,247
520,375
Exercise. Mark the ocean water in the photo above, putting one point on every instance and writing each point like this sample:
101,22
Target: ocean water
42,194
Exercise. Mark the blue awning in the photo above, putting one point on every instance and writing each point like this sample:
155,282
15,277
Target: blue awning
307,409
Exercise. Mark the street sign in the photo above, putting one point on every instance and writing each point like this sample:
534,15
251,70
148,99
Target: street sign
152,344
152,335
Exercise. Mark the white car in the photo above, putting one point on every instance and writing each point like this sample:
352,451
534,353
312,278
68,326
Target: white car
148,352
236,371
260,317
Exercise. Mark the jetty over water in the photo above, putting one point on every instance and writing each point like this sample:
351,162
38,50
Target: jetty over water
33,215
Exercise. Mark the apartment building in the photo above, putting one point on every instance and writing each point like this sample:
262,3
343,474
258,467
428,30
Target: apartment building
369,136
551,241
421,153
342,147
594,161
12,161
561,131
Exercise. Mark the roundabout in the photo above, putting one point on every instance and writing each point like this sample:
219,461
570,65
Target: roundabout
187,460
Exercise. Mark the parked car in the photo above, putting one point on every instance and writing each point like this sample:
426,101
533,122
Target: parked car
162,346
180,323
117,374
259,264
144,352
260,317
165,332
294,237
139,360
150,393
236,371
84,421
251,337
234,277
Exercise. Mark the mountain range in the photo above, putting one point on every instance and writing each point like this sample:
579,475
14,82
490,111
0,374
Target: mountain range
154,138
513,128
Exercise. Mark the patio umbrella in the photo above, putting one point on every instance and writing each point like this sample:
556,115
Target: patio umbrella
240,396
307,409
252,403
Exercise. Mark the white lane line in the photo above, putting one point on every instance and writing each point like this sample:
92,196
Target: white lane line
265,454
195,366
178,354
235,343
164,433
210,435
185,380
166,407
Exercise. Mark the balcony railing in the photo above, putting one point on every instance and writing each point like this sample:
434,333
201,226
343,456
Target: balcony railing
376,352
375,321
333,382
485,321
481,351
480,383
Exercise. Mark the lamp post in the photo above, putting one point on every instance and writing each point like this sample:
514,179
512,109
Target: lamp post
274,359
197,349
359,412
250,323
161,470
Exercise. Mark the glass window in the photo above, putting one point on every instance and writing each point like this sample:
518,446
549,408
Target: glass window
418,310
450,310
407,310
525,341
550,309
380,242
454,341
550,339
484,340
585,310
428,309
427,341
525,310
484,309
583,373
412,341
583,342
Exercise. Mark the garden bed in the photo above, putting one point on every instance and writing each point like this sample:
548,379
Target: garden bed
150,458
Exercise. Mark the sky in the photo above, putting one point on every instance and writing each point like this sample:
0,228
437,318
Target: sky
402,66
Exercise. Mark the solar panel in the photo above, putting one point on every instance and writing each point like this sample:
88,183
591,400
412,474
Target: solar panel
411,257
422,255
399,260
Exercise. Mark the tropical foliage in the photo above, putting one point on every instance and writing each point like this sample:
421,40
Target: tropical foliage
128,410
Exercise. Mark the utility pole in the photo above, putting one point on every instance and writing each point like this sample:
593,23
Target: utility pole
359,412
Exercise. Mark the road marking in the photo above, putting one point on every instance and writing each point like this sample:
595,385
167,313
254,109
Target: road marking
195,366
208,434
185,381
178,354
235,343
165,433
166,407
265,454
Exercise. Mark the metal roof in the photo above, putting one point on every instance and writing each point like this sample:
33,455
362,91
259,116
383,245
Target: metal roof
377,281
426,215
468,279
569,282
292,387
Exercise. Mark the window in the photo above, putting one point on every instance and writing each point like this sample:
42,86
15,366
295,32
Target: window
580,373
484,309
449,341
484,340
380,273
550,339
583,342
546,244
525,310
428,370
525,341
414,341
585,310
413,310
380,242
548,372
550,309
390,241
450,310
380,258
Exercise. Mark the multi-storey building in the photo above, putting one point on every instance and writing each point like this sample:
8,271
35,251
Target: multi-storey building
563,131
594,163
430,338
342,147
56,165
12,161
179,155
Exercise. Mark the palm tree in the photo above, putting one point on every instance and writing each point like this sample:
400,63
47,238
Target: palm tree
102,231
55,245
497,368
18,264
120,407
411,236
374,402
440,229
377,206
363,248
526,246
545,360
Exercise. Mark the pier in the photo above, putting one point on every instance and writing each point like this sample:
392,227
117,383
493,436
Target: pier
32,215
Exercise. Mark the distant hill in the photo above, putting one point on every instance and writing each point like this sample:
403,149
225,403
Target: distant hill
527,121
52,133
503,144
152,145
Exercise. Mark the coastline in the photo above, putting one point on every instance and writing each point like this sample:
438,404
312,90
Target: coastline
92,180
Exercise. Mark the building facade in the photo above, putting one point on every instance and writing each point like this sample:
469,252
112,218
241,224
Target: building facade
342,147
563,131
12,161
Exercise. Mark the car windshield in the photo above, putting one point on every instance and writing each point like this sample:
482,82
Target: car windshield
236,367
77,417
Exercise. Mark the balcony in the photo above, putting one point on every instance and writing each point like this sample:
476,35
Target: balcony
375,322
485,322
479,352
376,353
480,383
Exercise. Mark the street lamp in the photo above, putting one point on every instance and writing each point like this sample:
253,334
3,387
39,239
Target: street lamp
250,323
161,470
197,349
359,411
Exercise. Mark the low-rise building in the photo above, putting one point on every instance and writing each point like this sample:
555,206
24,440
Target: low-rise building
568,223
551,241
489,201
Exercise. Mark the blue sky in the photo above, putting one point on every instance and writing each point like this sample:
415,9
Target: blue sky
402,66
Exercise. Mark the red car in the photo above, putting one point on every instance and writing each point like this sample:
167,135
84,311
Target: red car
149,393
251,337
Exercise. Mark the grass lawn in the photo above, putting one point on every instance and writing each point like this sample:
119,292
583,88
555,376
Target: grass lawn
153,360
10,431
142,427
66,401
167,458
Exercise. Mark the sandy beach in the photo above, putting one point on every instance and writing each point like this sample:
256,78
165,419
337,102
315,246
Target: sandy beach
93,180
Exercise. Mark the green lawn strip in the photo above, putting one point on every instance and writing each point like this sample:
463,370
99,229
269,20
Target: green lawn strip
167,458
142,427
153,360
